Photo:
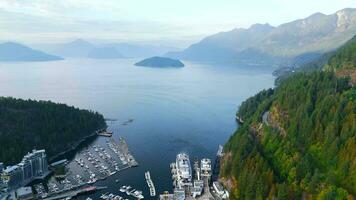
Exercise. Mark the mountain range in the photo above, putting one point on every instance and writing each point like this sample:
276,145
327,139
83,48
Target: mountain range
80,48
10,51
317,33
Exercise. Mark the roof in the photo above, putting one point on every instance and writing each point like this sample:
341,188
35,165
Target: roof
24,191
218,186
59,162
11,168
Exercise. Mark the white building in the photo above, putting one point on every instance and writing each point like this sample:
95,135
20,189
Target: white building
219,189
33,166
205,167
24,193
183,170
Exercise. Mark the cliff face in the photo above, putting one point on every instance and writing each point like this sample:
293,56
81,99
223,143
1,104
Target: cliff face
306,146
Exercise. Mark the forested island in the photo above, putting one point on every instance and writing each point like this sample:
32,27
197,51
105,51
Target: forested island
29,124
306,146
160,62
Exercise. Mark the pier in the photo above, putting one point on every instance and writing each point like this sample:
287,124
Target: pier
150,184
74,193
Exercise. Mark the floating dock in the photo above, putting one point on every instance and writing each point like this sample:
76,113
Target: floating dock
74,193
105,133
150,184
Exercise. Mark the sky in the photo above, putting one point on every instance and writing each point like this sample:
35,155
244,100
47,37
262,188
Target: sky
165,22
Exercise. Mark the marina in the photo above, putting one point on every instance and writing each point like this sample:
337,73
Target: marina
177,130
92,164
194,183
129,191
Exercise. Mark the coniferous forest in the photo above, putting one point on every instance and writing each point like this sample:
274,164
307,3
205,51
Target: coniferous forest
305,145
29,124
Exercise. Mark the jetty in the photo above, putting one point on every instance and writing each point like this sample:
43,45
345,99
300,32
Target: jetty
150,184
74,193
105,133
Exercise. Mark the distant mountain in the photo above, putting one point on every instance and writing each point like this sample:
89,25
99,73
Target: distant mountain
317,33
160,62
341,60
10,51
76,49
140,51
81,49
104,53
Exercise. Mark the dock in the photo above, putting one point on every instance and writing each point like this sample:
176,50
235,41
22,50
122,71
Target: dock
150,184
105,133
74,193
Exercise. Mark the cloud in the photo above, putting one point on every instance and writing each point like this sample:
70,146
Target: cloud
141,20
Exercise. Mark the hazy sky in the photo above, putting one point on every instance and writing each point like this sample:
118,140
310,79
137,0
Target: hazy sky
177,22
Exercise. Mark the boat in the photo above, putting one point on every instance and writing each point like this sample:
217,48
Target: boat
123,188
138,194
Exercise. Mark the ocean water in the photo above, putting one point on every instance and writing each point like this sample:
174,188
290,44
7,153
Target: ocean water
174,110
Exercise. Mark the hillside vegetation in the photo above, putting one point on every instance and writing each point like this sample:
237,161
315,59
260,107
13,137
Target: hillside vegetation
28,124
306,149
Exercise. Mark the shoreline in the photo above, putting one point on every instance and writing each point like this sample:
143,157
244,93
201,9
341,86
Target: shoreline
75,145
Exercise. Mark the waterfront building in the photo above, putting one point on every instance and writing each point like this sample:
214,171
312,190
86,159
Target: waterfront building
183,170
1,170
205,167
197,188
220,191
24,193
179,194
12,177
166,196
1,167
33,166
187,186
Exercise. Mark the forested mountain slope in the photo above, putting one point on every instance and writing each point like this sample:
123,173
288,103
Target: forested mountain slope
305,146
27,124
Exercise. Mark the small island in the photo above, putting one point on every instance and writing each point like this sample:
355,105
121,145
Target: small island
160,62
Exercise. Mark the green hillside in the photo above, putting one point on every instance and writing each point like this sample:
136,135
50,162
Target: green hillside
343,63
306,146
27,124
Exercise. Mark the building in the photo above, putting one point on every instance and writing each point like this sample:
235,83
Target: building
33,166
166,196
179,194
183,170
24,193
197,188
220,191
12,177
205,167
1,167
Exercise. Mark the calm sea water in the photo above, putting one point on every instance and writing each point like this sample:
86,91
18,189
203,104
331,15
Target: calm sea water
189,109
